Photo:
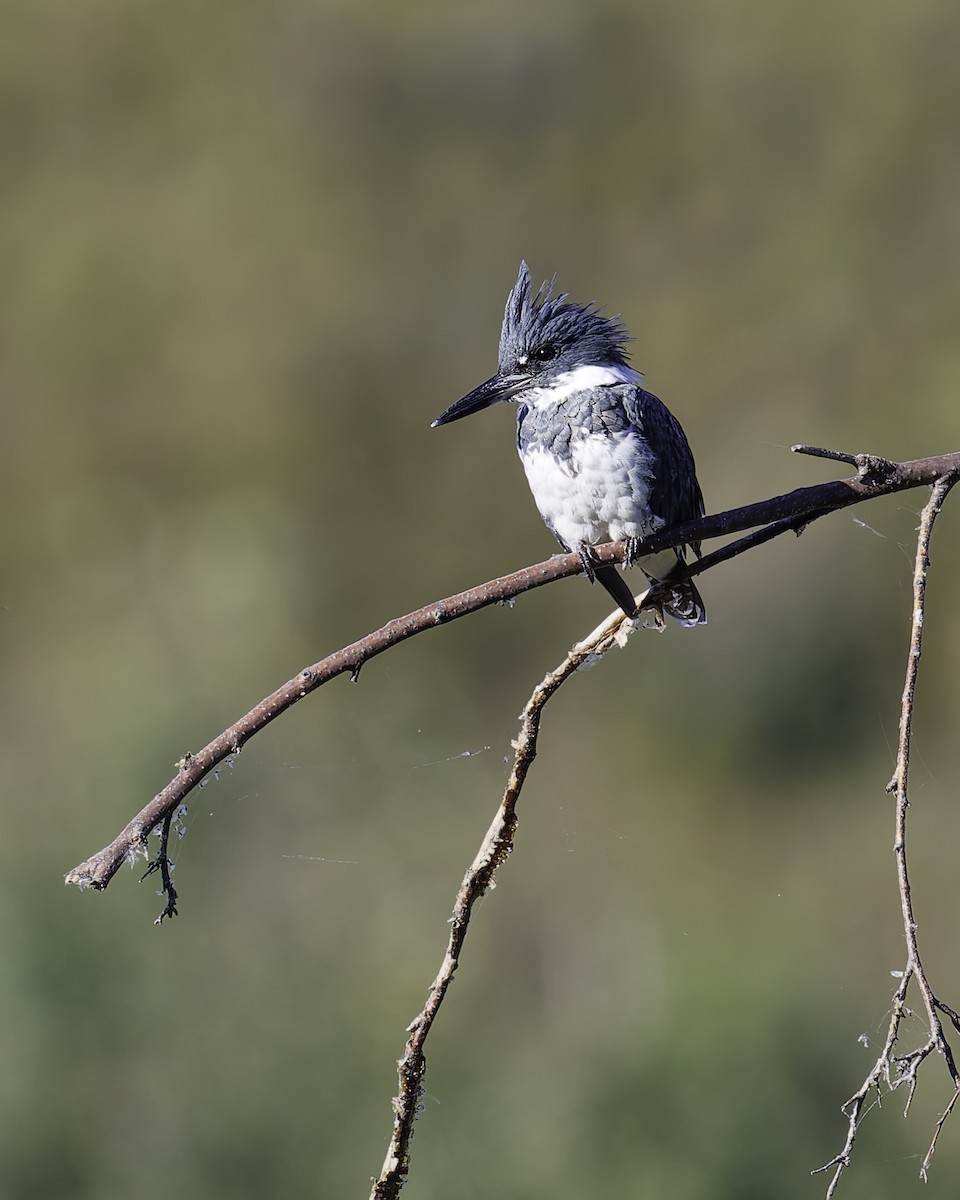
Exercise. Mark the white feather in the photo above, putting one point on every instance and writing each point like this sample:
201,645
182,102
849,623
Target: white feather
600,494
580,379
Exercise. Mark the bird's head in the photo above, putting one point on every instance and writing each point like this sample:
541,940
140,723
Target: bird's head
544,336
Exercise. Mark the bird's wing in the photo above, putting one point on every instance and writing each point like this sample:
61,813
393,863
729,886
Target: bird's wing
675,494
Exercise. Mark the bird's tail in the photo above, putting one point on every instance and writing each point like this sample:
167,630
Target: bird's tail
617,586
681,600
685,604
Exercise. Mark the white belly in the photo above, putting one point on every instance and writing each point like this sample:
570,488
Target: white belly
600,494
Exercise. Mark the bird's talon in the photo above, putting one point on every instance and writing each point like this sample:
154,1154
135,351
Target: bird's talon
589,563
631,551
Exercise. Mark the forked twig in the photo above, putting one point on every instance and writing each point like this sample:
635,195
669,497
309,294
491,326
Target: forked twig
163,864
892,1070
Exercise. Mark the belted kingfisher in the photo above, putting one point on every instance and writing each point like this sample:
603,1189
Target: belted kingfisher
604,458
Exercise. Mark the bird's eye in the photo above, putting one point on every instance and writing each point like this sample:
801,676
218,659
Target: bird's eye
546,352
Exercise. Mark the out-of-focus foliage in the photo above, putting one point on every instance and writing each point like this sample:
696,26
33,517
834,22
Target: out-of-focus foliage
248,252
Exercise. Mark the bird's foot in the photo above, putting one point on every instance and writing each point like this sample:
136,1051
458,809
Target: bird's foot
589,562
631,550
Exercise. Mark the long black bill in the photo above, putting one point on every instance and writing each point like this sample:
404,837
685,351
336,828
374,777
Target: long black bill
500,387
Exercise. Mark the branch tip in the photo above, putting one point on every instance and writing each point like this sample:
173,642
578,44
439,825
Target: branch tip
823,452
871,468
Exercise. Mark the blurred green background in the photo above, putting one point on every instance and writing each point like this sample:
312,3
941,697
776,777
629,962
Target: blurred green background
249,251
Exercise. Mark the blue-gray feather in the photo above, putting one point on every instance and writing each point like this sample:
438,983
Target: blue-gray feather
532,321
675,495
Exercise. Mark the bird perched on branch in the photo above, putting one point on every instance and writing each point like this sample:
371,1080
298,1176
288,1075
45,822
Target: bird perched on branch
604,458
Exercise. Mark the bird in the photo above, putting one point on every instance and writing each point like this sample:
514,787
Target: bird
605,459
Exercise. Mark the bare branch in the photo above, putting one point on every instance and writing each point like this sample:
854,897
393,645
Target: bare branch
892,1070
162,864
854,1108
768,519
778,515
494,850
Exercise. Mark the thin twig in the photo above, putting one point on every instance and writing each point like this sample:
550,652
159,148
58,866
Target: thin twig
778,515
494,850
162,864
853,1109
892,1070
824,452
941,1121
